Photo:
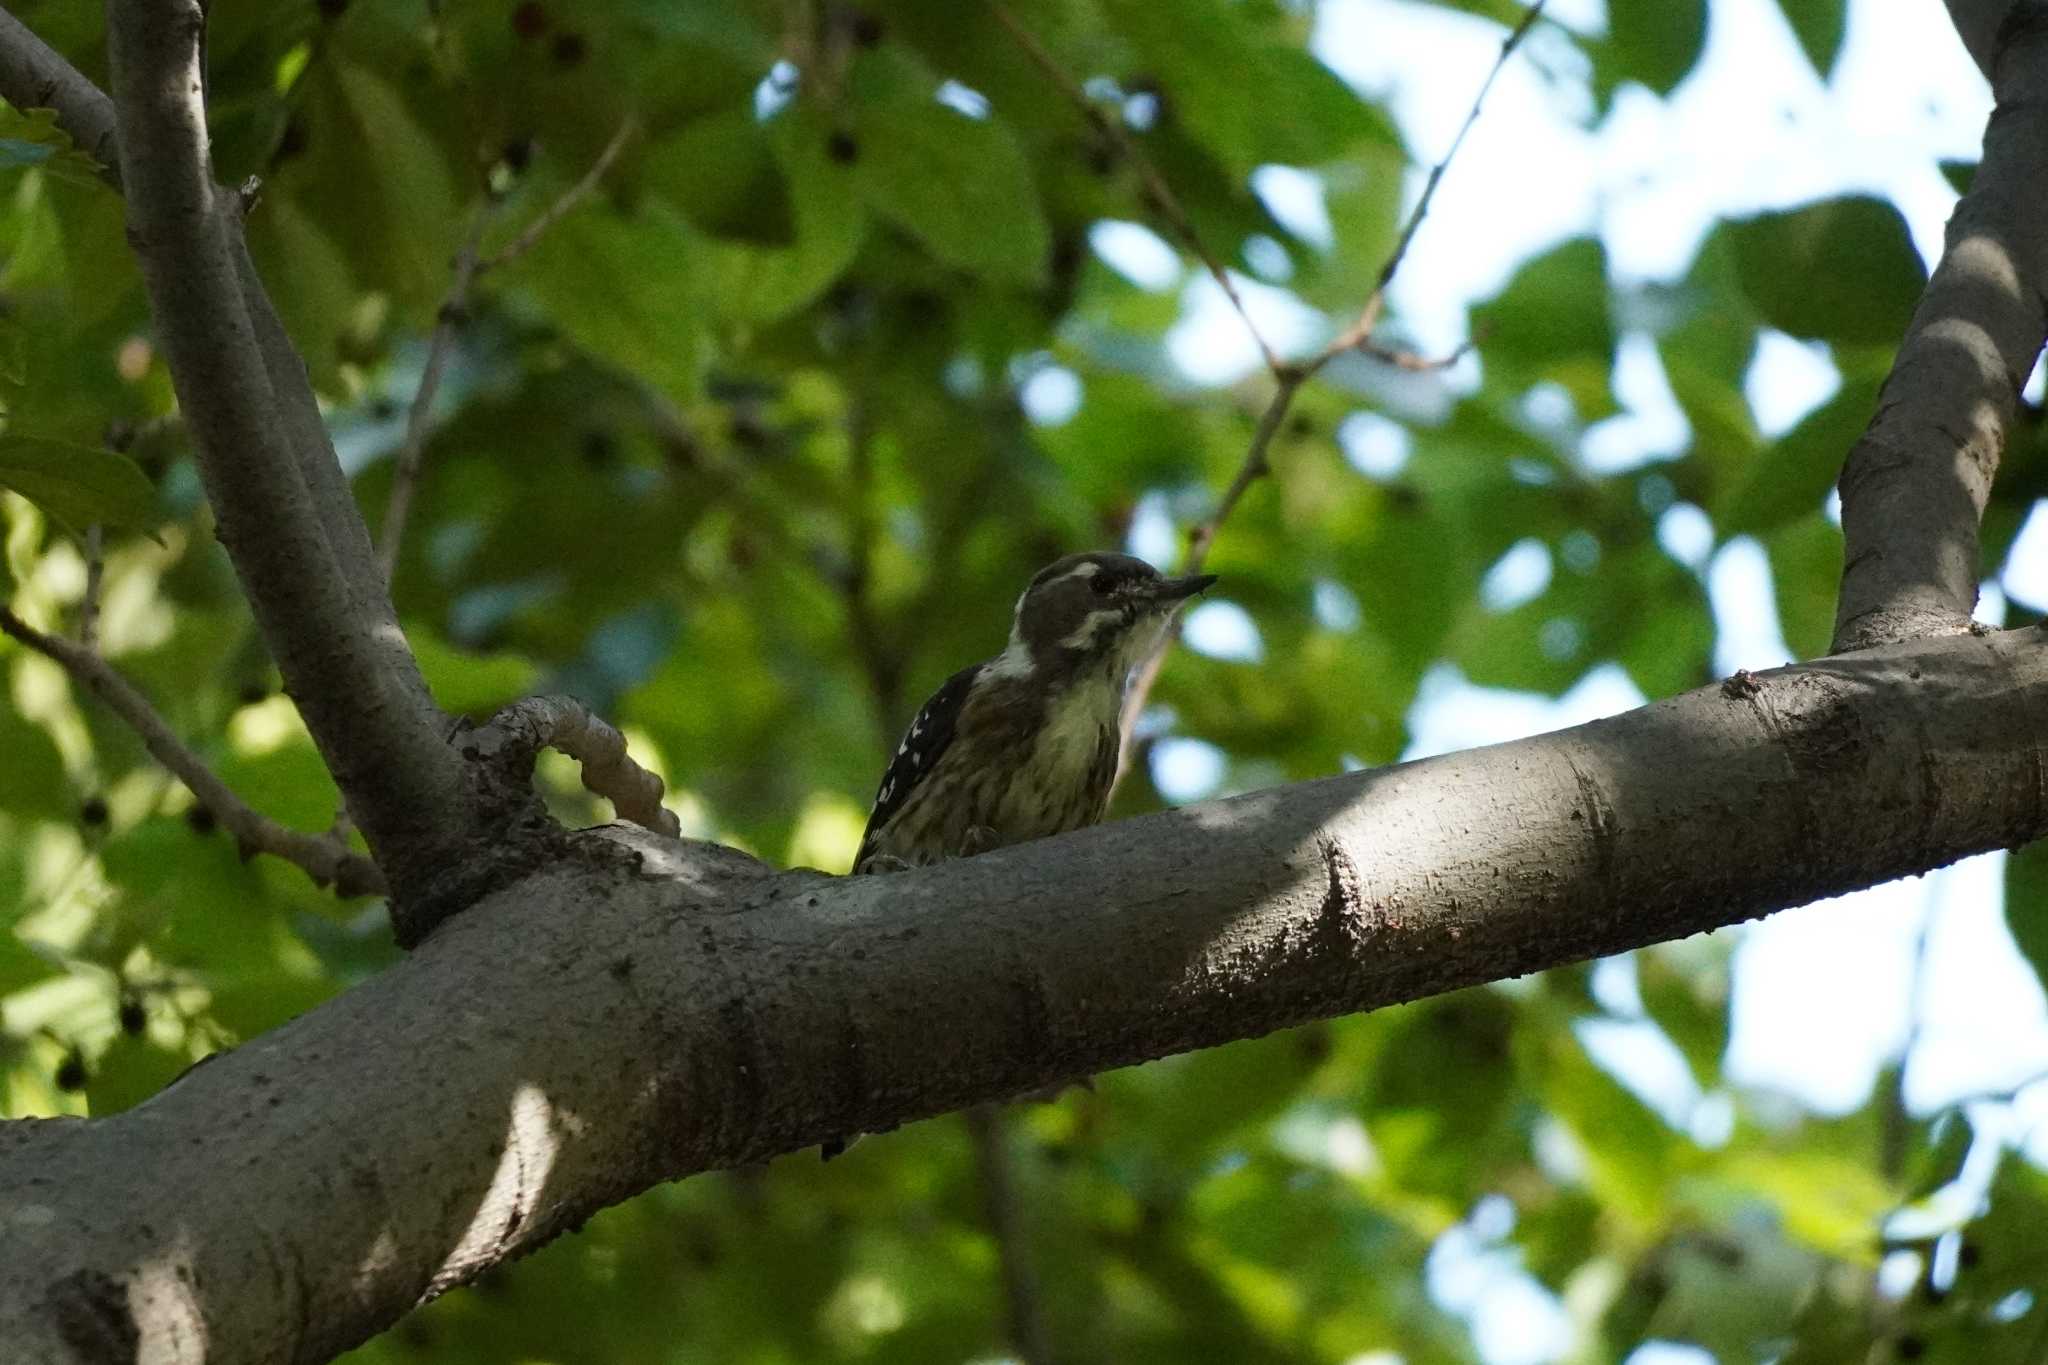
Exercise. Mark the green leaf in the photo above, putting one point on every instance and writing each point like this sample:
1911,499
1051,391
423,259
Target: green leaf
1552,323
374,180
21,965
30,139
466,683
1843,270
310,284
2026,904
79,485
32,781
591,273
959,184
1655,42
1246,97
1792,477
1806,570
721,173
1819,25
129,1072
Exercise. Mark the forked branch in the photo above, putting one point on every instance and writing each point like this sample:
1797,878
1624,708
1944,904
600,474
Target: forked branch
1289,376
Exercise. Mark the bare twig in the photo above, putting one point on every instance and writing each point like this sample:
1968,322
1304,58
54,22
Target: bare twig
1356,334
1157,191
1289,376
326,859
569,199
520,731
89,605
454,306
992,1159
470,263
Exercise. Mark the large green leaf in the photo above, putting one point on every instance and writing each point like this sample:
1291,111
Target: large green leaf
1552,322
1793,477
374,179
1820,26
32,781
1655,42
1246,97
79,485
1843,270
960,184
1806,570
721,172
2026,904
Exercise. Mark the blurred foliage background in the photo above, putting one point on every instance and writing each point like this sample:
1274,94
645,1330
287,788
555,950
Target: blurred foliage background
759,443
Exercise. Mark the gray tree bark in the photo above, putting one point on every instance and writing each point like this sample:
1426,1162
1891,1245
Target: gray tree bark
650,1008
637,1008
1915,484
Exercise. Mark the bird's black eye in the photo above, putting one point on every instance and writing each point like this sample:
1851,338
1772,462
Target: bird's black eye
1103,584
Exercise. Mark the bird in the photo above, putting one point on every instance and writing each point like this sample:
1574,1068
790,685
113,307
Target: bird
1025,744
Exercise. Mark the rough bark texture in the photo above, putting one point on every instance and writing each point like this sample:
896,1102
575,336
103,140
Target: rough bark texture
651,1007
1914,486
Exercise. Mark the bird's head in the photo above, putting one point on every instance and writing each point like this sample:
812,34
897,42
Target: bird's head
1095,607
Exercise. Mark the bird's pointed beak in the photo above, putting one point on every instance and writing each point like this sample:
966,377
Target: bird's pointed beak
1172,590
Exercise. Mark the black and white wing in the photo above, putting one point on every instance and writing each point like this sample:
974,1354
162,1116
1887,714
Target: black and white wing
916,755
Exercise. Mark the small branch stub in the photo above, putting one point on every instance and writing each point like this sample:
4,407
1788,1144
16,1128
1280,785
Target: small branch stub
516,735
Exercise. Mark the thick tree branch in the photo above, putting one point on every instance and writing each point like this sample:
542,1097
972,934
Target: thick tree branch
1915,483
34,76
325,858
616,1021
281,501
1979,22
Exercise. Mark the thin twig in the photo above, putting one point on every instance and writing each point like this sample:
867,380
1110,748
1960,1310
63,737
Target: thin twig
327,860
89,605
1356,334
993,1159
470,263
405,475
1156,189
1290,376
570,198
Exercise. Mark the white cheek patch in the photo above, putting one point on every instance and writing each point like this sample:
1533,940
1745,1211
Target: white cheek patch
1103,618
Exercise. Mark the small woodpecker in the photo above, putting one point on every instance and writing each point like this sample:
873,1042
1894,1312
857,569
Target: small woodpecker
1025,744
